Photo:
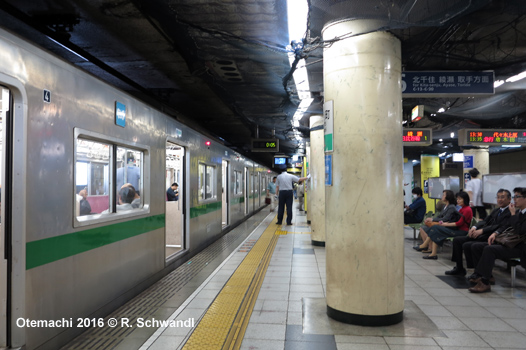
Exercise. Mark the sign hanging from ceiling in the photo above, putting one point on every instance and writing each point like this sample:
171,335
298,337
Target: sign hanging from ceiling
447,83
265,145
491,137
417,137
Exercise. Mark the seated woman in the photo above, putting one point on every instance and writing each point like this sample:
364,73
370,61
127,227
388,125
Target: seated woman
448,214
438,233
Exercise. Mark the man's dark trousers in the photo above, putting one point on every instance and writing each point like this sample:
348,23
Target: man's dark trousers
464,243
285,198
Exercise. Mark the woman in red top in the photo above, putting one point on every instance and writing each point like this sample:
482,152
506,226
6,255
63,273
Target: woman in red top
440,232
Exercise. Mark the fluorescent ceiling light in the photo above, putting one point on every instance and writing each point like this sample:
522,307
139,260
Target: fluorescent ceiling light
516,77
441,110
511,146
452,134
498,83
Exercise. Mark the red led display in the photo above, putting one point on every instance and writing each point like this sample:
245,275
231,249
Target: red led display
491,137
417,137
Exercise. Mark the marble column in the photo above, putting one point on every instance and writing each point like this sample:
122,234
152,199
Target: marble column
317,180
480,161
364,220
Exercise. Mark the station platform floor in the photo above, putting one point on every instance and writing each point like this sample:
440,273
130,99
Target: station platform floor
265,289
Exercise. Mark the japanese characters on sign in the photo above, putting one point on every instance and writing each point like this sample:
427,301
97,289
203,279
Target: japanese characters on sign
417,137
447,83
491,137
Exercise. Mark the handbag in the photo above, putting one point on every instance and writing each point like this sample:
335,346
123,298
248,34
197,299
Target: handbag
267,200
509,238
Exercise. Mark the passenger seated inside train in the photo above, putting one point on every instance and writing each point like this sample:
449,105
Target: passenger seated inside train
136,203
126,197
414,213
85,207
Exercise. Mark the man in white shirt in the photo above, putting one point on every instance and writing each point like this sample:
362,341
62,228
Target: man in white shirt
474,189
284,188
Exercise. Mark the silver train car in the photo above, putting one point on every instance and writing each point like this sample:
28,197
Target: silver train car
78,241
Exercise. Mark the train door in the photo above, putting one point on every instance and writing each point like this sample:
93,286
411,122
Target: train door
175,200
5,105
247,190
225,193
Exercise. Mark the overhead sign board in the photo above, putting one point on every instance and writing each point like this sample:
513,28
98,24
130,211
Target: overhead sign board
491,137
447,83
417,137
265,145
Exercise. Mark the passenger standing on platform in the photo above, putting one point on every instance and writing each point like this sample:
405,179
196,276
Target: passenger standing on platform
474,189
440,232
284,187
172,193
497,221
271,193
485,254
414,213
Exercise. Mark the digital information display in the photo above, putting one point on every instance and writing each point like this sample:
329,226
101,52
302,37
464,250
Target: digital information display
491,137
265,145
280,160
417,137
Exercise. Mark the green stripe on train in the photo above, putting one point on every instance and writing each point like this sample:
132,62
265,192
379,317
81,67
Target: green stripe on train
204,209
238,200
51,249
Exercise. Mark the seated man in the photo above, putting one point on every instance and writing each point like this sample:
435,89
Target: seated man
497,222
414,213
485,254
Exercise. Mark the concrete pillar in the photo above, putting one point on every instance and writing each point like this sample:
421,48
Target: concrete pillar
480,161
364,221
317,180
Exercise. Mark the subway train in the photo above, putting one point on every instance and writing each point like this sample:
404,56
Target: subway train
78,241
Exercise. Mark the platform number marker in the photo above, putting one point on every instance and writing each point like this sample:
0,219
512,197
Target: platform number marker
47,96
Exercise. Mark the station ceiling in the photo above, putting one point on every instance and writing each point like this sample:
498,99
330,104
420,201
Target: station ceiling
223,67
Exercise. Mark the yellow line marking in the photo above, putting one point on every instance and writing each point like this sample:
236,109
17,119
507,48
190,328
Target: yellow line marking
224,324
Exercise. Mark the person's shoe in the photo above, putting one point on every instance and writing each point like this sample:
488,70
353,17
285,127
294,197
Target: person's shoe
289,224
418,249
457,271
279,223
430,257
480,288
479,279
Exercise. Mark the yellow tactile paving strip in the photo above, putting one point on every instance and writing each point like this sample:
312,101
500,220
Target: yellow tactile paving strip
224,324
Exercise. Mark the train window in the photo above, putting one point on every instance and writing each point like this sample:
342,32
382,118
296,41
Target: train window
108,179
238,184
206,181
92,177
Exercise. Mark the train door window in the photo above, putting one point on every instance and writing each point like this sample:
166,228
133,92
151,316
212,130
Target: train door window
129,169
247,190
238,182
225,193
175,199
206,181
92,177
